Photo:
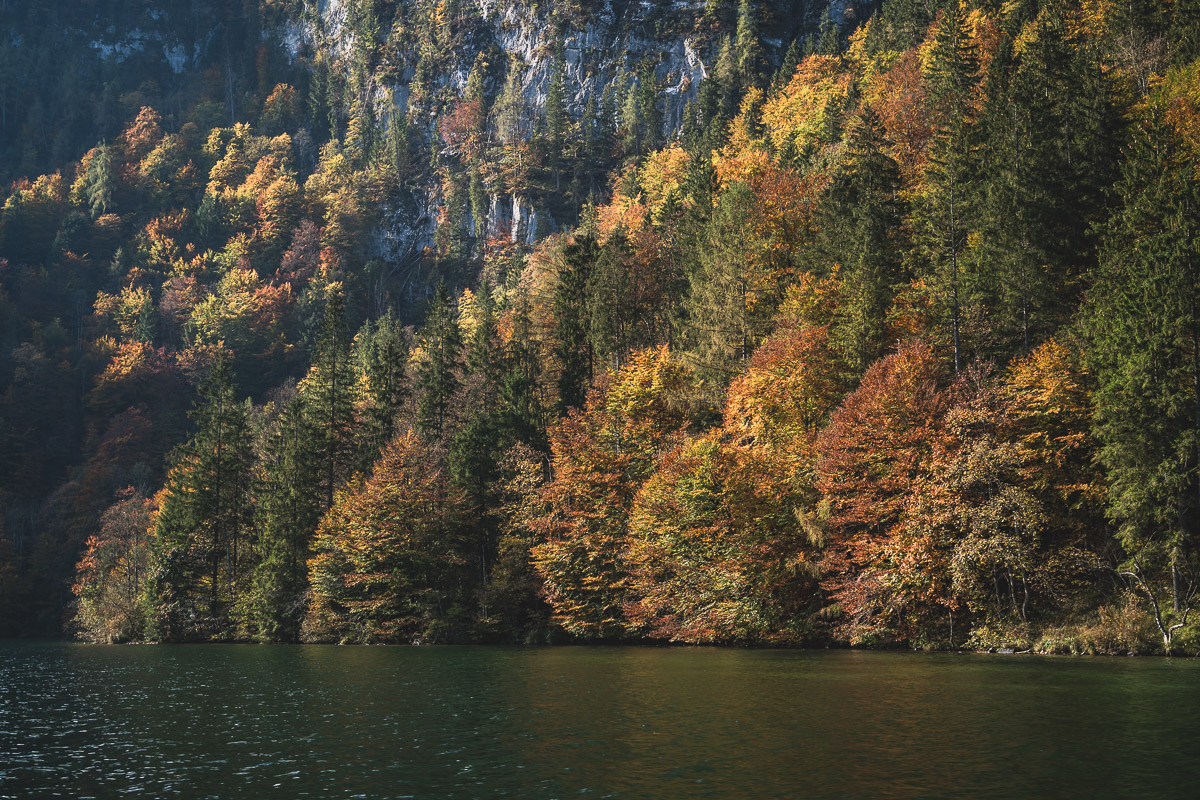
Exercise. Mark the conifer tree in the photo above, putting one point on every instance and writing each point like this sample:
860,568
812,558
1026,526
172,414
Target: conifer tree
510,107
730,298
101,180
291,501
787,69
942,213
380,355
437,373
1143,317
521,409
558,120
860,228
829,42
747,47
1046,147
572,343
202,553
328,391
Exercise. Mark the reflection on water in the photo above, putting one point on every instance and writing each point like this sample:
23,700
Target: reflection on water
258,722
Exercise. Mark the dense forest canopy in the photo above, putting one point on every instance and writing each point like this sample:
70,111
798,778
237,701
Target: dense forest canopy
709,322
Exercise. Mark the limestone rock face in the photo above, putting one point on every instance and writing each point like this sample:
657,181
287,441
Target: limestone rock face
601,45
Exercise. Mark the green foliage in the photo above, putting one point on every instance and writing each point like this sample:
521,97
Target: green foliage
436,374
860,232
290,505
1007,187
574,348
203,549
101,182
730,303
329,394
1144,331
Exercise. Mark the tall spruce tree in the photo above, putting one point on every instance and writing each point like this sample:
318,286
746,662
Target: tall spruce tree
380,356
1143,320
558,120
572,343
202,532
747,46
860,232
291,501
437,379
943,211
732,292
329,397
1046,130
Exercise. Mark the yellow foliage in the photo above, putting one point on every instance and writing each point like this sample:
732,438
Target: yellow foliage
129,310
470,315
803,114
811,300
1178,94
623,213
661,180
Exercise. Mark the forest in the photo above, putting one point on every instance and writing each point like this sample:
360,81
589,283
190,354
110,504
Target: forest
355,322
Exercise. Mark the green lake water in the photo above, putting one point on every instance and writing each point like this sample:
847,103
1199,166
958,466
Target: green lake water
235,721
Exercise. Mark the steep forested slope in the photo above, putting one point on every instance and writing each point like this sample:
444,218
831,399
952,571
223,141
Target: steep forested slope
709,322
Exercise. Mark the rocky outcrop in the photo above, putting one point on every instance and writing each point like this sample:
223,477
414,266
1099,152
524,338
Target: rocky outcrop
601,45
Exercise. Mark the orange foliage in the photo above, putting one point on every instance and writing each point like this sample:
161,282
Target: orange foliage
786,392
1049,407
142,135
872,454
109,576
898,97
461,129
601,455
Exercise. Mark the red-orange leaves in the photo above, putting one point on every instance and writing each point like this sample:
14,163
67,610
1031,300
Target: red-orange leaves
601,457
871,457
898,97
108,579
462,129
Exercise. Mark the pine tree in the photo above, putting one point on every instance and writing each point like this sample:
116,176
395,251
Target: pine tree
521,410
731,296
437,373
1045,148
787,70
510,107
329,397
641,117
380,355
572,345
943,212
1143,320
859,231
202,556
101,181
558,120
290,504
829,42
747,47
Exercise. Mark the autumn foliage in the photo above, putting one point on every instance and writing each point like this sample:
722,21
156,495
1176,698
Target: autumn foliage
884,332
386,555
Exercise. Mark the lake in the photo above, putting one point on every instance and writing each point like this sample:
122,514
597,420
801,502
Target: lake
244,721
